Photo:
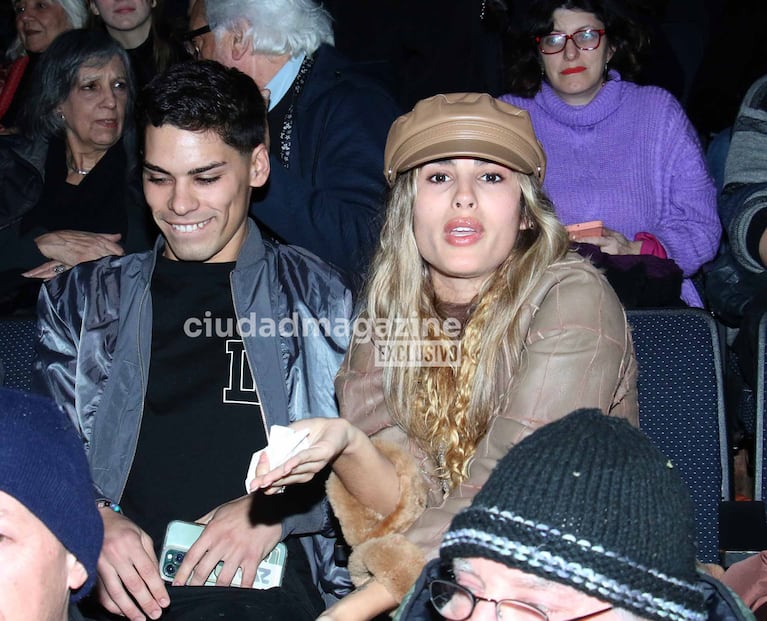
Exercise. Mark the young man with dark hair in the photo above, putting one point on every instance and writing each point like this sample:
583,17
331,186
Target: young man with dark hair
176,363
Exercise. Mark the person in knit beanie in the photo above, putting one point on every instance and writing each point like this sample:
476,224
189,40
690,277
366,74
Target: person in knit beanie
581,519
50,529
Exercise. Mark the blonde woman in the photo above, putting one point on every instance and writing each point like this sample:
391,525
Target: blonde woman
478,327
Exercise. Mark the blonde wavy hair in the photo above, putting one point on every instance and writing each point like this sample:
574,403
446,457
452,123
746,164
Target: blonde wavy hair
447,410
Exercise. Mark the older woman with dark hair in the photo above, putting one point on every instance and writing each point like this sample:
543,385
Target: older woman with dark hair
38,23
618,152
69,182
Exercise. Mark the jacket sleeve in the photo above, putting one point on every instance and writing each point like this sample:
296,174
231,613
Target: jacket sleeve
306,512
578,354
20,189
330,200
744,198
359,389
688,224
55,363
379,549
323,296
20,252
54,368
749,204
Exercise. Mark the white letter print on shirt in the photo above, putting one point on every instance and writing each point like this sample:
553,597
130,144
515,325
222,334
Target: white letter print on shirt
242,387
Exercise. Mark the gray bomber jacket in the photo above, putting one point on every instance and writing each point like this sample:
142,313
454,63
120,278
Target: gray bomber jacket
95,327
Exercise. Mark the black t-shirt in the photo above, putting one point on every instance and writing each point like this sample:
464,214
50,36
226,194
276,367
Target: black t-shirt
202,419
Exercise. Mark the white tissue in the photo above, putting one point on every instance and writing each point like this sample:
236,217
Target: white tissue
284,443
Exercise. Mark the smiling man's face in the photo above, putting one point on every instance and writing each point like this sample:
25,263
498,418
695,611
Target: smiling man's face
198,188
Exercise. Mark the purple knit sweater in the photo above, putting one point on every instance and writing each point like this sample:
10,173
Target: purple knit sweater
632,159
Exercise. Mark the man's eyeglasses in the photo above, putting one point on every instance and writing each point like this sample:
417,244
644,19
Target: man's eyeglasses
190,45
457,603
586,40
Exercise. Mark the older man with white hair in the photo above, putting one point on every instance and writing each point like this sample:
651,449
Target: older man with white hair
328,123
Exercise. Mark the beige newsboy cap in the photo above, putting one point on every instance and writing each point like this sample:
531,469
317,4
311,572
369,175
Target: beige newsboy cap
463,125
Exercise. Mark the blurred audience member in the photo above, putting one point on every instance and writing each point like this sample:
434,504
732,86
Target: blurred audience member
748,578
38,23
138,26
737,288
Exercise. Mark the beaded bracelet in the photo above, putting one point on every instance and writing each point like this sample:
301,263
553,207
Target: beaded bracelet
100,504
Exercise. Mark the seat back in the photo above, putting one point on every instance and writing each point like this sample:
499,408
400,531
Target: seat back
17,345
681,407
760,435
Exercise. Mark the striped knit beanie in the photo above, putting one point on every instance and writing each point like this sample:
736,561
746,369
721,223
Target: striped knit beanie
588,502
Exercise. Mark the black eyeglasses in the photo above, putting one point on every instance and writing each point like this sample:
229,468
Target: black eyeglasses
586,40
189,40
457,603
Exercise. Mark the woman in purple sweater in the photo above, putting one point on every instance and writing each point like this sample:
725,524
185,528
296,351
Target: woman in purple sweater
618,152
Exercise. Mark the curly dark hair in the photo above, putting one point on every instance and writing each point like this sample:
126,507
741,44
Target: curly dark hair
625,32
203,95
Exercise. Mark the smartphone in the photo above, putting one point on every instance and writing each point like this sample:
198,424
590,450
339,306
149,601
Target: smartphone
593,228
179,537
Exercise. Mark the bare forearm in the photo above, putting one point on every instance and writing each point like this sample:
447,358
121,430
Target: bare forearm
367,474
